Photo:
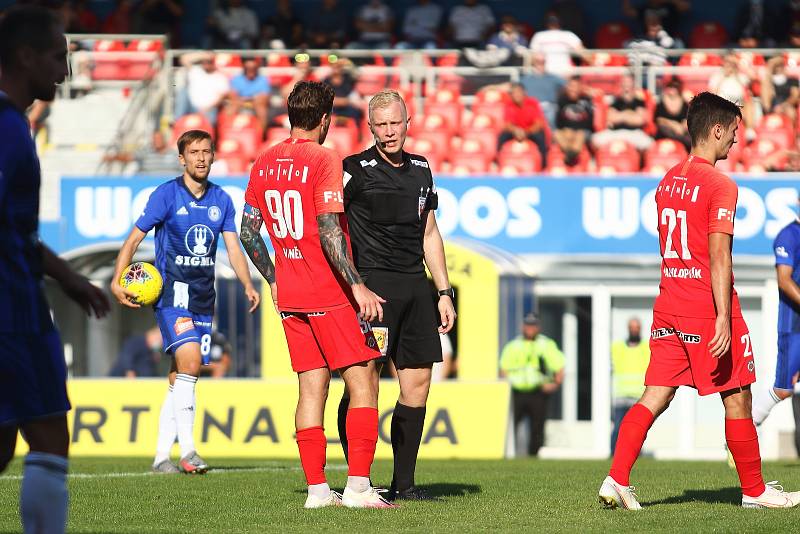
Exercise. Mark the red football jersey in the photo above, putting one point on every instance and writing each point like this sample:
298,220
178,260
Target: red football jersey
291,183
693,200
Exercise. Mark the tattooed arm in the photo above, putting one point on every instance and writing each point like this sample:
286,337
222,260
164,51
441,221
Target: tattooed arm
334,243
253,243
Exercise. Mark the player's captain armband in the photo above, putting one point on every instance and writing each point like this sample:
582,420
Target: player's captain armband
251,212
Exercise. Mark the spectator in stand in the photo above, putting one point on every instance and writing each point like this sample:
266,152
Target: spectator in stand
85,18
556,45
626,118
574,120
284,25
756,25
206,87
328,28
374,23
543,86
250,91
524,120
732,83
670,115
159,16
650,47
471,24
789,18
509,37
421,25
570,14
155,159
669,12
345,100
779,92
233,25
140,355
119,20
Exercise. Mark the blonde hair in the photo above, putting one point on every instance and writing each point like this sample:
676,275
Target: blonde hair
385,98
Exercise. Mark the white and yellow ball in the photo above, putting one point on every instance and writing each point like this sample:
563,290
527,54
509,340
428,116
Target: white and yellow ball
144,280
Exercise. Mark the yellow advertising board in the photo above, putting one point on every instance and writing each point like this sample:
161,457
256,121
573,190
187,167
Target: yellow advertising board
255,418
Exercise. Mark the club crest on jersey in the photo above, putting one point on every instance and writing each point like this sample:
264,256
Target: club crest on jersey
214,213
182,325
381,335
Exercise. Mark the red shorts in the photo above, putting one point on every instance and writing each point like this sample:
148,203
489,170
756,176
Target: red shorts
332,339
679,355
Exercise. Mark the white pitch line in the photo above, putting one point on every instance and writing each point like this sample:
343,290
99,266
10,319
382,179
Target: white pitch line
336,467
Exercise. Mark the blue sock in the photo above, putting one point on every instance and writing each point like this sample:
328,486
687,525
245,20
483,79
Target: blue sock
43,498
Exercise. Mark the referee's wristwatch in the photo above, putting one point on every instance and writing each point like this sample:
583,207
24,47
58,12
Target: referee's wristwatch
449,292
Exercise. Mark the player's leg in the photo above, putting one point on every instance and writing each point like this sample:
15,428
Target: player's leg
742,440
311,441
408,422
187,363
787,365
167,427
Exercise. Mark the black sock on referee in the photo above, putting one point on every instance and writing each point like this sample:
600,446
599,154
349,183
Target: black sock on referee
341,421
407,426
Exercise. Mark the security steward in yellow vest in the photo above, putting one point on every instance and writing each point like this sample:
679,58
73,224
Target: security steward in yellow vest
534,365
629,360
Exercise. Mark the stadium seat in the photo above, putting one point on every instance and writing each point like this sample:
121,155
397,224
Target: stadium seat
370,80
450,111
276,59
106,65
229,64
600,106
274,136
557,165
608,82
244,128
466,163
708,35
697,81
612,35
141,65
523,155
764,155
342,141
435,127
617,156
491,102
486,139
191,121
230,165
778,129
427,147
664,153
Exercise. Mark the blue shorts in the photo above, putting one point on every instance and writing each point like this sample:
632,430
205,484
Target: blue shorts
179,326
788,360
33,377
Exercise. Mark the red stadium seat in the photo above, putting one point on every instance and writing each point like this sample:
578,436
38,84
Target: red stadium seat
370,80
243,128
697,81
600,105
708,35
426,148
141,66
342,141
778,129
491,102
616,157
451,111
433,123
274,136
764,155
487,139
106,66
230,165
612,35
276,59
465,163
557,165
664,153
229,64
191,121
523,154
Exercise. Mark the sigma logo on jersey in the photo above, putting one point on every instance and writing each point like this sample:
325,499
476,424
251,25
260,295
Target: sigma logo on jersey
781,252
419,163
214,213
198,240
182,325
381,334
370,163
691,272
332,196
658,333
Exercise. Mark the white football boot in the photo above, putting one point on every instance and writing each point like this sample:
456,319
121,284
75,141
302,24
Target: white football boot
773,497
613,495
333,499
366,499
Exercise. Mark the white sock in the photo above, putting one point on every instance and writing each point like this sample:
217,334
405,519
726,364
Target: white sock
43,498
183,398
320,491
763,404
358,484
167,428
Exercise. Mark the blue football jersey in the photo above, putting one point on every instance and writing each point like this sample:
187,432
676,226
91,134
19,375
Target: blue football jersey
23,307
787,252
187,232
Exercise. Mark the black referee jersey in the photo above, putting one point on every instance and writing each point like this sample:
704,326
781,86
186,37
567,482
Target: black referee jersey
387,209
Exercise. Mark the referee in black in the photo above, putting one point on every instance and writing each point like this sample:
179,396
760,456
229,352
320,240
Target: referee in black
389,199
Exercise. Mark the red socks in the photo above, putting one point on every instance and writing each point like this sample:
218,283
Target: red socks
312,444
743,444
362,436
632,432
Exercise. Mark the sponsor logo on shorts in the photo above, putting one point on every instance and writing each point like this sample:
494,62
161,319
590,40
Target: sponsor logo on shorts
183,324
381,334
683,336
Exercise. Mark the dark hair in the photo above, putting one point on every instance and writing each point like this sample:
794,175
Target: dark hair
190,136
308,102
707,109
25,25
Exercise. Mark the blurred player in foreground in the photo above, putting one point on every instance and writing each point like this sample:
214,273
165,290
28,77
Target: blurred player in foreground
297,186
33,393
189,214
391,201
698,337
787,257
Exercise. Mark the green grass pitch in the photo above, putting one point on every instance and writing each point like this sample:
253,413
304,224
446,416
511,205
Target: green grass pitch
118,495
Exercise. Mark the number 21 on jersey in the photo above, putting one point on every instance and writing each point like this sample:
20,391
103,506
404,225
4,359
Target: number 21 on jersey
672,218
286,211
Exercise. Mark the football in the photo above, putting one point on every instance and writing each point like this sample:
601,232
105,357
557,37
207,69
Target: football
144,280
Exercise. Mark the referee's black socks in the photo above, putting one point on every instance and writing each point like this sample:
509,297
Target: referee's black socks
407,426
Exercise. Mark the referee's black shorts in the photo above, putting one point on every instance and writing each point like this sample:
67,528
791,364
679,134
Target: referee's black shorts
409,332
